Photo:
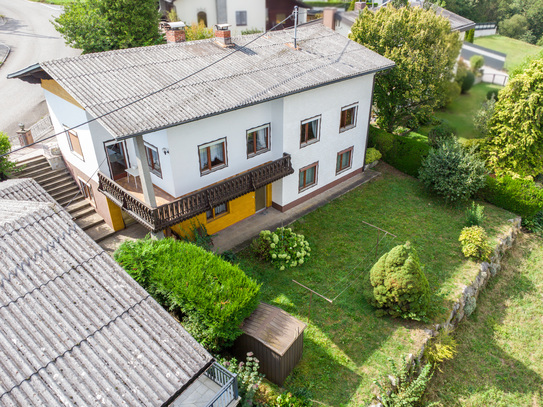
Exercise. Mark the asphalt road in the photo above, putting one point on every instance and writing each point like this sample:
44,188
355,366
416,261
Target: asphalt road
32,38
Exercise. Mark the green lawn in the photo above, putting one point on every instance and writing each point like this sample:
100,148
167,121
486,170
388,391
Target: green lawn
345,345
461,111
500,360
516,50
58,2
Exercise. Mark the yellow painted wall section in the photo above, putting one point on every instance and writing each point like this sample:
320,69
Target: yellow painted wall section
238,209
53,87
268,195
116,215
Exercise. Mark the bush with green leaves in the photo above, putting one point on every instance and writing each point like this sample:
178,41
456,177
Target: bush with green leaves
467,82
482,117
453,172
211,296
6,167
287,399
249,379
440,348
372,154
534,223
520,196
475,215
404,153
396,284
476,62
405,385
492,93
475,244
283,248
441,133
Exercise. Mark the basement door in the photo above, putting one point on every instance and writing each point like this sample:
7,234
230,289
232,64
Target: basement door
260,199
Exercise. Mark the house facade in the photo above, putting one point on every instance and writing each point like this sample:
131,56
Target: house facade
271,126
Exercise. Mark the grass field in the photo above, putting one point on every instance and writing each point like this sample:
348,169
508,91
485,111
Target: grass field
500,360
461,111
346,346
516,50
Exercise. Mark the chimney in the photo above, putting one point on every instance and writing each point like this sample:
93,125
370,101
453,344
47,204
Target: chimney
359,5
222,35
175,32
329,17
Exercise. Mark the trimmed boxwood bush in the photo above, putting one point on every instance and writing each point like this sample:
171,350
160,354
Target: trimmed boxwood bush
402,152
520,196
397,285
372,155
475,243
211,296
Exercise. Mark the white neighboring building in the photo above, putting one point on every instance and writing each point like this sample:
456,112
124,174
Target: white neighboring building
268,125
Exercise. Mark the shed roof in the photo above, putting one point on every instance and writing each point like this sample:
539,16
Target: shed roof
264,68
76,329
273,327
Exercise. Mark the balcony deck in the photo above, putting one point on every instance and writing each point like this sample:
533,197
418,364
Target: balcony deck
133,186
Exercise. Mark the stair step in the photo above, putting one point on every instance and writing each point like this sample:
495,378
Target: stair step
31,161
58,179
47,176
90,221
69,193
61,186
100,232
65,201
76,207
81,213
31,171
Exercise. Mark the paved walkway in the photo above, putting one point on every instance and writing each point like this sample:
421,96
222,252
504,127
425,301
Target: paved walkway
240,234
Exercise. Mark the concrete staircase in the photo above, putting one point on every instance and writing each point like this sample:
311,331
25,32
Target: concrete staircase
62,187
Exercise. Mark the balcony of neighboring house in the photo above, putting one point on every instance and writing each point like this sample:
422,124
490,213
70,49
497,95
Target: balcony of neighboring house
127,193
217,387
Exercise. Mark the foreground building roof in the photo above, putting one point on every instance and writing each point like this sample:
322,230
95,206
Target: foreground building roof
75,328
264,68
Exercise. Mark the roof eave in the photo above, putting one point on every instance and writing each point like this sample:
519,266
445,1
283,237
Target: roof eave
31,74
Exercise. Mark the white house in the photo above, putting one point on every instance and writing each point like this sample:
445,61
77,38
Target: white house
206,133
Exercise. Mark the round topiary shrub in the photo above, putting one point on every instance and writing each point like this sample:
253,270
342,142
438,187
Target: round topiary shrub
397,285
467,81
491,93
372,154
441,133
475,243
283,248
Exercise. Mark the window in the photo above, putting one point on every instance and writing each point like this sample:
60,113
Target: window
212,156
308,176
153,159
217,211
73,141
258,140
344,160
241,17
309,132
201,17
86,190
348,117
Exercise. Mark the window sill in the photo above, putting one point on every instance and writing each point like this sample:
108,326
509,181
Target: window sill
302,145
344,170
258,153
219,167
209,220
78,156
306,188
346,128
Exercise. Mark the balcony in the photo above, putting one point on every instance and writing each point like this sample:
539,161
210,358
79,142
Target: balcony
217,387
188,206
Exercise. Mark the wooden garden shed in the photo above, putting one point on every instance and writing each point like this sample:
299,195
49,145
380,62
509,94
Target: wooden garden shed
276,339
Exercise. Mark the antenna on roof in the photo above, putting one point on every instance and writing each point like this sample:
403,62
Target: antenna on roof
295,25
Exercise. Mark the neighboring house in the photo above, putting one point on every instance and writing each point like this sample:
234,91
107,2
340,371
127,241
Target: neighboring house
76,329
342,21
242,15
269,125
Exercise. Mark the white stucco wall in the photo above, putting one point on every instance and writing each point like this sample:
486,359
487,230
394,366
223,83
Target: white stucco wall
187,10
256,14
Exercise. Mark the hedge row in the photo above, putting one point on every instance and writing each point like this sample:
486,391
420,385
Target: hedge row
212,296
405,153
520,196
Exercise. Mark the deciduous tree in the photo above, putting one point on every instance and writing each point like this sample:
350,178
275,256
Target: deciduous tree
515,141
103,25
424,49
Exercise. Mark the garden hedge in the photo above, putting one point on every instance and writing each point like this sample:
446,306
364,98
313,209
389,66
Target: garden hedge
402,152
212,296
520,196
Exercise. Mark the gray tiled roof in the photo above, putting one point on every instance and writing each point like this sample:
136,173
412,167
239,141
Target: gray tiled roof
75,329
458,23
263,70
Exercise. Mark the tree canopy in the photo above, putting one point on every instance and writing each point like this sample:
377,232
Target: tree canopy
424,49
103,25
515,142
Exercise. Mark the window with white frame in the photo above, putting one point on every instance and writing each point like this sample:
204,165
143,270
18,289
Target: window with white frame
310,131
308,177
153,159
344,160
241,18
212,156
348,117
258,140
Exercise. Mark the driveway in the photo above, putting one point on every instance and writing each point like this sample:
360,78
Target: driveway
32,38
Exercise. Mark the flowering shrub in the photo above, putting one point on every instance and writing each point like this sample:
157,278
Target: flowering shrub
475,243
248,377
283,248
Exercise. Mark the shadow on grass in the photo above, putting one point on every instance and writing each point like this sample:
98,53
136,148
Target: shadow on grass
483,373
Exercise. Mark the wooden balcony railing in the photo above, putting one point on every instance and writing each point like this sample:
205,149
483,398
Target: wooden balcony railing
198,202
